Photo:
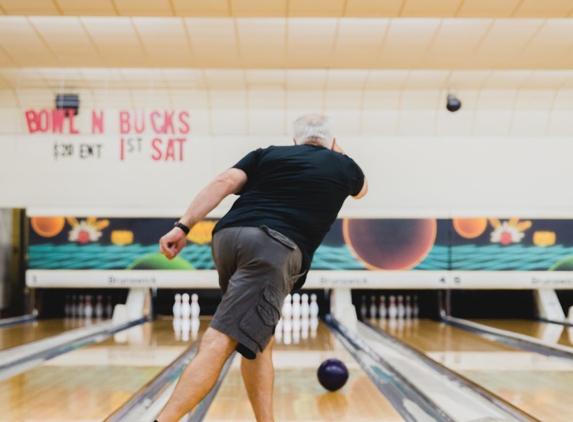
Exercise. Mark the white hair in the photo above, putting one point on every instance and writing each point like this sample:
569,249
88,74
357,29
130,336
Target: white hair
313,128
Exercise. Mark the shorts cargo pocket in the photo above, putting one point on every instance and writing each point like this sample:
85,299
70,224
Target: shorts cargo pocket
259,323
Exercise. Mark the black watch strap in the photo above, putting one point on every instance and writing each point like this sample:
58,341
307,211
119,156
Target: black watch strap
182,227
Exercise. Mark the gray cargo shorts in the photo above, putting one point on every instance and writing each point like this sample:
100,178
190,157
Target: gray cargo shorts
257,268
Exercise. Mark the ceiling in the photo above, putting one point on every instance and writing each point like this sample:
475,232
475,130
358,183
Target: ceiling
279,43
274,79
292,8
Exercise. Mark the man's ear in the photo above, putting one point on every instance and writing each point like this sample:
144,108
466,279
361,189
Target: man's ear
333,143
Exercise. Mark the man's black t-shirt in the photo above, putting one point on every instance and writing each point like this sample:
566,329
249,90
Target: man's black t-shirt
296,190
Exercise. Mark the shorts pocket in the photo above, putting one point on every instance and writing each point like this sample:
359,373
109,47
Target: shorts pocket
259,323
279,237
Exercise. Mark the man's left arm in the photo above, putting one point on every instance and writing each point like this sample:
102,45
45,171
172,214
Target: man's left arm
229,182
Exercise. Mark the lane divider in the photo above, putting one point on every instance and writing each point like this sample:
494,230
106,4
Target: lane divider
518,341
18,359
510,411
408,400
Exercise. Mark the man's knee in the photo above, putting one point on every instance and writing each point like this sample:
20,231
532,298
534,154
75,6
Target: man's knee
216,342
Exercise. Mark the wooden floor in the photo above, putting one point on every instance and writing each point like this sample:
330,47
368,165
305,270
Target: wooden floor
539,385
16,335
551,333
90,383
298,396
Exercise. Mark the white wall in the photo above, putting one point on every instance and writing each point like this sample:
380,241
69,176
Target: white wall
505,153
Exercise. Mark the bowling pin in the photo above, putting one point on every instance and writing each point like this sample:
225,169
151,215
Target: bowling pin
67,306
305,325
99,307
177,322
408,307
415,309
296,306
287,308
177,306
195,309
392,309
195,323
313,326
185,329
73,309
296,324
80,307
313,306
363,309
304,306
88,309
109,308
287,332
382,308
185,306
296,337
373,309
279,330
401,309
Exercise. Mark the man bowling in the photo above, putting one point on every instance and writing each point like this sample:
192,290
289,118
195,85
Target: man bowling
289,196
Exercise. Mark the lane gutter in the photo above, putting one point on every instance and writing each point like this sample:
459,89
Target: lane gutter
395,387
499,403
518,341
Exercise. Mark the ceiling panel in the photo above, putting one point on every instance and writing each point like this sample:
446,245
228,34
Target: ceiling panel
30,7
488,8
541,79
293,79
513,79
214,41
406,36
449,41
544,8
556,36
425,8
369,8
423,79
114,36
156,33
322,8
263,8
86,7
21,42
467,79
508,36
144,8
201,7
386,79
293,8
65,37
279,43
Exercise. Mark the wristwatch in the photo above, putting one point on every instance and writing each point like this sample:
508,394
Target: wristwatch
182,227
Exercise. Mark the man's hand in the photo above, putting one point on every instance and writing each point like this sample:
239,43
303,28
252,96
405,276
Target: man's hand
172,243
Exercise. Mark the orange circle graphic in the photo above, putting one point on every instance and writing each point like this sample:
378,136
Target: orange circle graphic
390,244
470,228
48,226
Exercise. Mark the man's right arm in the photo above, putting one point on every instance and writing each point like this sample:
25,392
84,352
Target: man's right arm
363,191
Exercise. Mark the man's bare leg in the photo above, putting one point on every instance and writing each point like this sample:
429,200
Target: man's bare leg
259,378
200,375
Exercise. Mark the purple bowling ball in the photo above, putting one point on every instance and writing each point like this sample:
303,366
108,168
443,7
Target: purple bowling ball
332,374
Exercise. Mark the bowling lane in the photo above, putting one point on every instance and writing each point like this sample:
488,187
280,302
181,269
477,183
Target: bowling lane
298,396
17,335
537,384
90,383
550,333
